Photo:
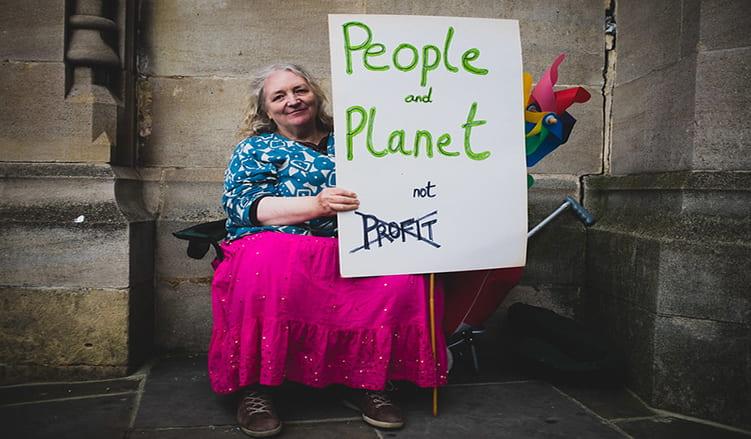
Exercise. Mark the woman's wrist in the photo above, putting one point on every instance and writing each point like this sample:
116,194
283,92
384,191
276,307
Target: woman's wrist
280,211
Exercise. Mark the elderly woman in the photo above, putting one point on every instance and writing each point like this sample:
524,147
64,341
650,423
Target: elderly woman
281,311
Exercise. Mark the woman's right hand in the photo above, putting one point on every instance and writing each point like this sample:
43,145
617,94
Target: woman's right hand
332,200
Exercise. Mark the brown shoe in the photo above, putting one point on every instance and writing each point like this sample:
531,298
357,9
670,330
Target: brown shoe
256,415
377,409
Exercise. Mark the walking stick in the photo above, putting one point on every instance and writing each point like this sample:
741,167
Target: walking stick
432,338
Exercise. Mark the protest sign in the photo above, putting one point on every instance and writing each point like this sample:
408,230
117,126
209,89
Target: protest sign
429,128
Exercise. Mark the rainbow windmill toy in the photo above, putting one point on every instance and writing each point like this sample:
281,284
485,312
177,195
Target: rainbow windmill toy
546,122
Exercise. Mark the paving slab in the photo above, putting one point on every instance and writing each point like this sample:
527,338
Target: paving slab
307,430
95,417
296,402
608,403
177,394
209,432
45,391
507,410
349,429
495,363
669,428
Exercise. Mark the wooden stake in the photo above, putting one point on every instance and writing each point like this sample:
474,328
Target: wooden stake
432,337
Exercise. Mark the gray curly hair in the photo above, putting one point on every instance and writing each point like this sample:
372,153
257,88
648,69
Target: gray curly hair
256,121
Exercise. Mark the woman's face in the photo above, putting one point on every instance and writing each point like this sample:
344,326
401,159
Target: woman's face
289,101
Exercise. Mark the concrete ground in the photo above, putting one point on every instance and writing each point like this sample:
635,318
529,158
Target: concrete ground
171,398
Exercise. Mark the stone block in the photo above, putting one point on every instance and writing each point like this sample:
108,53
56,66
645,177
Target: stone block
724,24
649,37
32,30
64,255
63,226
73,129
573,27
521,409
244,36
192,194
140,323
713,192
151,181
172,262
554,271
561,299
582,154
629,327
75,236
46,391
188,197
446,8
701,206
723,139
676,243
667,276
667,426
690,12
548,193
621,264
546,30
717,384
613,197
46,103
104,416
183,316
195,120
705,281
63,327
556,256
653,121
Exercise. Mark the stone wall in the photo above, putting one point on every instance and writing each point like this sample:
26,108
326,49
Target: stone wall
668,263
76,259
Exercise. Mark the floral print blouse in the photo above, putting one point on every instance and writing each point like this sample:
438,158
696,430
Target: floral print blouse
273,165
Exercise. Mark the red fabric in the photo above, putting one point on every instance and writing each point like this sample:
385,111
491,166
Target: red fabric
473,296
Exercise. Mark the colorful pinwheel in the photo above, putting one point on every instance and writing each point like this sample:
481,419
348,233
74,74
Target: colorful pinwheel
547,124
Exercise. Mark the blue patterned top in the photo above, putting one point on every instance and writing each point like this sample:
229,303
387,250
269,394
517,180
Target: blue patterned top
273,165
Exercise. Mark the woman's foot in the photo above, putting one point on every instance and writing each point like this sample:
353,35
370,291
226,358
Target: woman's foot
377,409
256,415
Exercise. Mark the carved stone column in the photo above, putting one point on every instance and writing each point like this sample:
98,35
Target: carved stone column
76,243
93,63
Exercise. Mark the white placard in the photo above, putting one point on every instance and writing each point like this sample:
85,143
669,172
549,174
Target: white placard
429,127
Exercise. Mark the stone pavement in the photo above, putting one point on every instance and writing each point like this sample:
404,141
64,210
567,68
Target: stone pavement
170,398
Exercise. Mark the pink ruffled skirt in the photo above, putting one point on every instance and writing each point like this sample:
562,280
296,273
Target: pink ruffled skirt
282,312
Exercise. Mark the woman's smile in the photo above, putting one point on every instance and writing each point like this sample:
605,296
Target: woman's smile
290,103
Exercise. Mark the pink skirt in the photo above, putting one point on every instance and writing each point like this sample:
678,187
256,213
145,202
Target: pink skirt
282,312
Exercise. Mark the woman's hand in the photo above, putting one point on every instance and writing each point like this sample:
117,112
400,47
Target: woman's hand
332,200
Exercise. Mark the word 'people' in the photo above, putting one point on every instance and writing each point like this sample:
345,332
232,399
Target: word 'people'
378,231
405,57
